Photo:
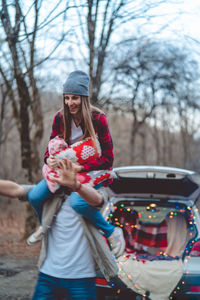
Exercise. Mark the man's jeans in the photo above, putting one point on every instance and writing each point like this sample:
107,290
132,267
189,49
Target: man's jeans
52,288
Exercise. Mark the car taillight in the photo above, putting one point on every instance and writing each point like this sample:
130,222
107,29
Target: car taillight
101,281
195,288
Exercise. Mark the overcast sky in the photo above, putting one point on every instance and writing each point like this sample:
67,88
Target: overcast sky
187,22
179,22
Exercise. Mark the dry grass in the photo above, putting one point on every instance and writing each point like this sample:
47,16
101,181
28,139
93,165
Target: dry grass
12,224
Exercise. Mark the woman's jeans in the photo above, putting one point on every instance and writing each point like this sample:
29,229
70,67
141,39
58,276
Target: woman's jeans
37,197
40,193
52,288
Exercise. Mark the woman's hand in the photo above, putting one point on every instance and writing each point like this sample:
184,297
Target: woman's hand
51,162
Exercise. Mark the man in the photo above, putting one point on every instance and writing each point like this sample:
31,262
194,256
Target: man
71,247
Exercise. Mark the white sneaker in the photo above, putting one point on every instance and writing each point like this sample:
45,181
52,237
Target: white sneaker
35,237
117,242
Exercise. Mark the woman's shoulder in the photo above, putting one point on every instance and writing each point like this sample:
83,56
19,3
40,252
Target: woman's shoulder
97,113
99,119
58,115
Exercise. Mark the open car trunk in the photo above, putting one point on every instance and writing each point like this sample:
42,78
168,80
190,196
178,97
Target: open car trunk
153,208
158,235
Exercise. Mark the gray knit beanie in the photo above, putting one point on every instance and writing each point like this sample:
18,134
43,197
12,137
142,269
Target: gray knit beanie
77,83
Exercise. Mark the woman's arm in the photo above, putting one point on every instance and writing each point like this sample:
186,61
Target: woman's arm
11,189
57,129
106,160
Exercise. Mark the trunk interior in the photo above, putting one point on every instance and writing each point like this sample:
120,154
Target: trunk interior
157,229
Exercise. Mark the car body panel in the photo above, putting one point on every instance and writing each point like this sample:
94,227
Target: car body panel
163,182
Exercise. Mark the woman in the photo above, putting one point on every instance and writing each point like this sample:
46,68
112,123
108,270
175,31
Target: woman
76,121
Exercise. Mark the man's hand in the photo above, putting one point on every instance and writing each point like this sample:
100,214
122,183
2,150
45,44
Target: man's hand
78,168
67,175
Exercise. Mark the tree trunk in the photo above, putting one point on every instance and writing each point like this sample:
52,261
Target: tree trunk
156,137
25,126
144,147
132,143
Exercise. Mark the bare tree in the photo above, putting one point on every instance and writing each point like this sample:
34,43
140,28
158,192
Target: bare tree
101,24
21,23
18,68
149,76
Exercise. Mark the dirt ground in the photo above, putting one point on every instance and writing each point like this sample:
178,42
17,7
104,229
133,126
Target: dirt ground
18,261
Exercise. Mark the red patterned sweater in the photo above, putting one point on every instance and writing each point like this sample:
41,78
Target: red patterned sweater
101,128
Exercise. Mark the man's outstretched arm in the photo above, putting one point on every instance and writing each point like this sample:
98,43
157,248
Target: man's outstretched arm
68,178
11,189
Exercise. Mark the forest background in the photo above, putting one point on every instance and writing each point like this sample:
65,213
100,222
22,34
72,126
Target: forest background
144,70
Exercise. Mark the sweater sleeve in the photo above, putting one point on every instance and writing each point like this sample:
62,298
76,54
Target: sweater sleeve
57,130
105,140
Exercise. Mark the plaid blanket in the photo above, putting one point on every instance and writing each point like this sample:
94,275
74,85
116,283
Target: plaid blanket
153,235
139,236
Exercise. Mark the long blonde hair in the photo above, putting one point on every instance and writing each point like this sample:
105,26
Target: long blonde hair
86,119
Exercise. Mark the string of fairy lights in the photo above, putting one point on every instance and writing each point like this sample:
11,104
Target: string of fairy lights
150,216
